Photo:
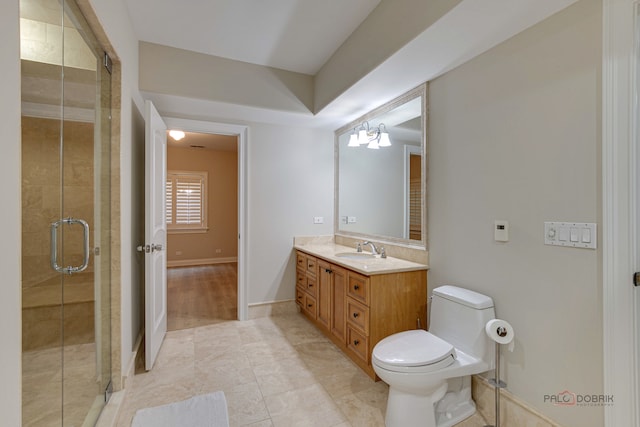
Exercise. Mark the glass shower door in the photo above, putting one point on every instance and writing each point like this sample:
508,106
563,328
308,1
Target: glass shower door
66,98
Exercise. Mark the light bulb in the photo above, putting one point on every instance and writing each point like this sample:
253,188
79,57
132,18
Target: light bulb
384,140
362,136
176,134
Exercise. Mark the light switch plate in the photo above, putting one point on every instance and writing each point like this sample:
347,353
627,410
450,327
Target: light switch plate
571,234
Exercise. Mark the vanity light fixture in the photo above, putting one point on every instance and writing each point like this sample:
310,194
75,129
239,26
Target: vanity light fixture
384,140
353,140
176,134
374,137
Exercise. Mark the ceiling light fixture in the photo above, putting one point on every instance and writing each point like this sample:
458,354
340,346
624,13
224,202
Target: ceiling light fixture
176,134
374,137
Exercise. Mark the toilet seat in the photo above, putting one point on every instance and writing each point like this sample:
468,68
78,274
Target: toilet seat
413,351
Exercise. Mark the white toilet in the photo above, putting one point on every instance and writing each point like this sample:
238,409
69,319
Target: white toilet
429,373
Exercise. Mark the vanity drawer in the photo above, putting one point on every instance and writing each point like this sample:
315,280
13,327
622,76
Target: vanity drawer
310,306
358,288
301,261
311,287
358,343
301,279
358,316
312,263
300,294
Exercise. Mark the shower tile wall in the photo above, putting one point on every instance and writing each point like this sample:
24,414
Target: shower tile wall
41,286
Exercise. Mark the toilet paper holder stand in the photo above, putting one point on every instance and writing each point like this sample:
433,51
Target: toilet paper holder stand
496,382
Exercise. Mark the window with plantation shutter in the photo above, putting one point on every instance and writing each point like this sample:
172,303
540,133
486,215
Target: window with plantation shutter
186,202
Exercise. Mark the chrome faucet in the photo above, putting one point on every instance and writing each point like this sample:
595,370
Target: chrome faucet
374,250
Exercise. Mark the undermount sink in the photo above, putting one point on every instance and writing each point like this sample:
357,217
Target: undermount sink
355,255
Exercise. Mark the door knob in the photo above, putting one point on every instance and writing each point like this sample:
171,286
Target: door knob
149,248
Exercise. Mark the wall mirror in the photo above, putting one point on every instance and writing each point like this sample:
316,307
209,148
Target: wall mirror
380,188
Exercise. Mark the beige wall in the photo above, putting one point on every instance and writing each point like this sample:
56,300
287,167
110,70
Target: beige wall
290,180
515,135
123,43
10,246
222,212
185,73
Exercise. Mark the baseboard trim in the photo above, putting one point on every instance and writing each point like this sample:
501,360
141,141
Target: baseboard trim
131,368
273,308
111,412
203,261
513,411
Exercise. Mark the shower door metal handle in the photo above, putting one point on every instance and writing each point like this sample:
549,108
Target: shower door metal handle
54,246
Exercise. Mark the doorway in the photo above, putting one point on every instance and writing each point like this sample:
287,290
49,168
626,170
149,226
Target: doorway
65,184
413,192
202,224
240,133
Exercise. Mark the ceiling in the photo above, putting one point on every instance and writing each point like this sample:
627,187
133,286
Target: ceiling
294,35
205,141
301,35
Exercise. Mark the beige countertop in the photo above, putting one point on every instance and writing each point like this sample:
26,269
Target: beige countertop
368,266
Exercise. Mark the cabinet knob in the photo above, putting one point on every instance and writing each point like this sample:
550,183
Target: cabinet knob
356,342
309,305
355,315
326,270
356,287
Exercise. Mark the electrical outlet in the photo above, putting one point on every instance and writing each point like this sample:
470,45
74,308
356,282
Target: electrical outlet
318,220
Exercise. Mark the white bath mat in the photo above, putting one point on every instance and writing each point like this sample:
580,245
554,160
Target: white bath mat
206,410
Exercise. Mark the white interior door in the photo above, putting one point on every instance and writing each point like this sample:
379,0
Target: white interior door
155,233
636,243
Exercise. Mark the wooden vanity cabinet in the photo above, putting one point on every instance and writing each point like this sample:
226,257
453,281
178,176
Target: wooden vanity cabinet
323,300
332,285
306,284
339,303
356,311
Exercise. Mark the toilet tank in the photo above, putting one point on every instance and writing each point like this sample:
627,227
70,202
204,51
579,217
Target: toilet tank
459,316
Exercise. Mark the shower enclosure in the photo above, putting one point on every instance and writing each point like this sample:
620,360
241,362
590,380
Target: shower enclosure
66,256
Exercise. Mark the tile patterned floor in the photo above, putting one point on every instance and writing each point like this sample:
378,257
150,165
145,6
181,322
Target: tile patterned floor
42,386
275,371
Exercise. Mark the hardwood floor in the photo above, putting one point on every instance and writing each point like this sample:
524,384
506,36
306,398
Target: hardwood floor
201,295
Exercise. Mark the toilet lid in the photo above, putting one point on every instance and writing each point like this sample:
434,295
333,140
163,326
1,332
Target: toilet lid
413,348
